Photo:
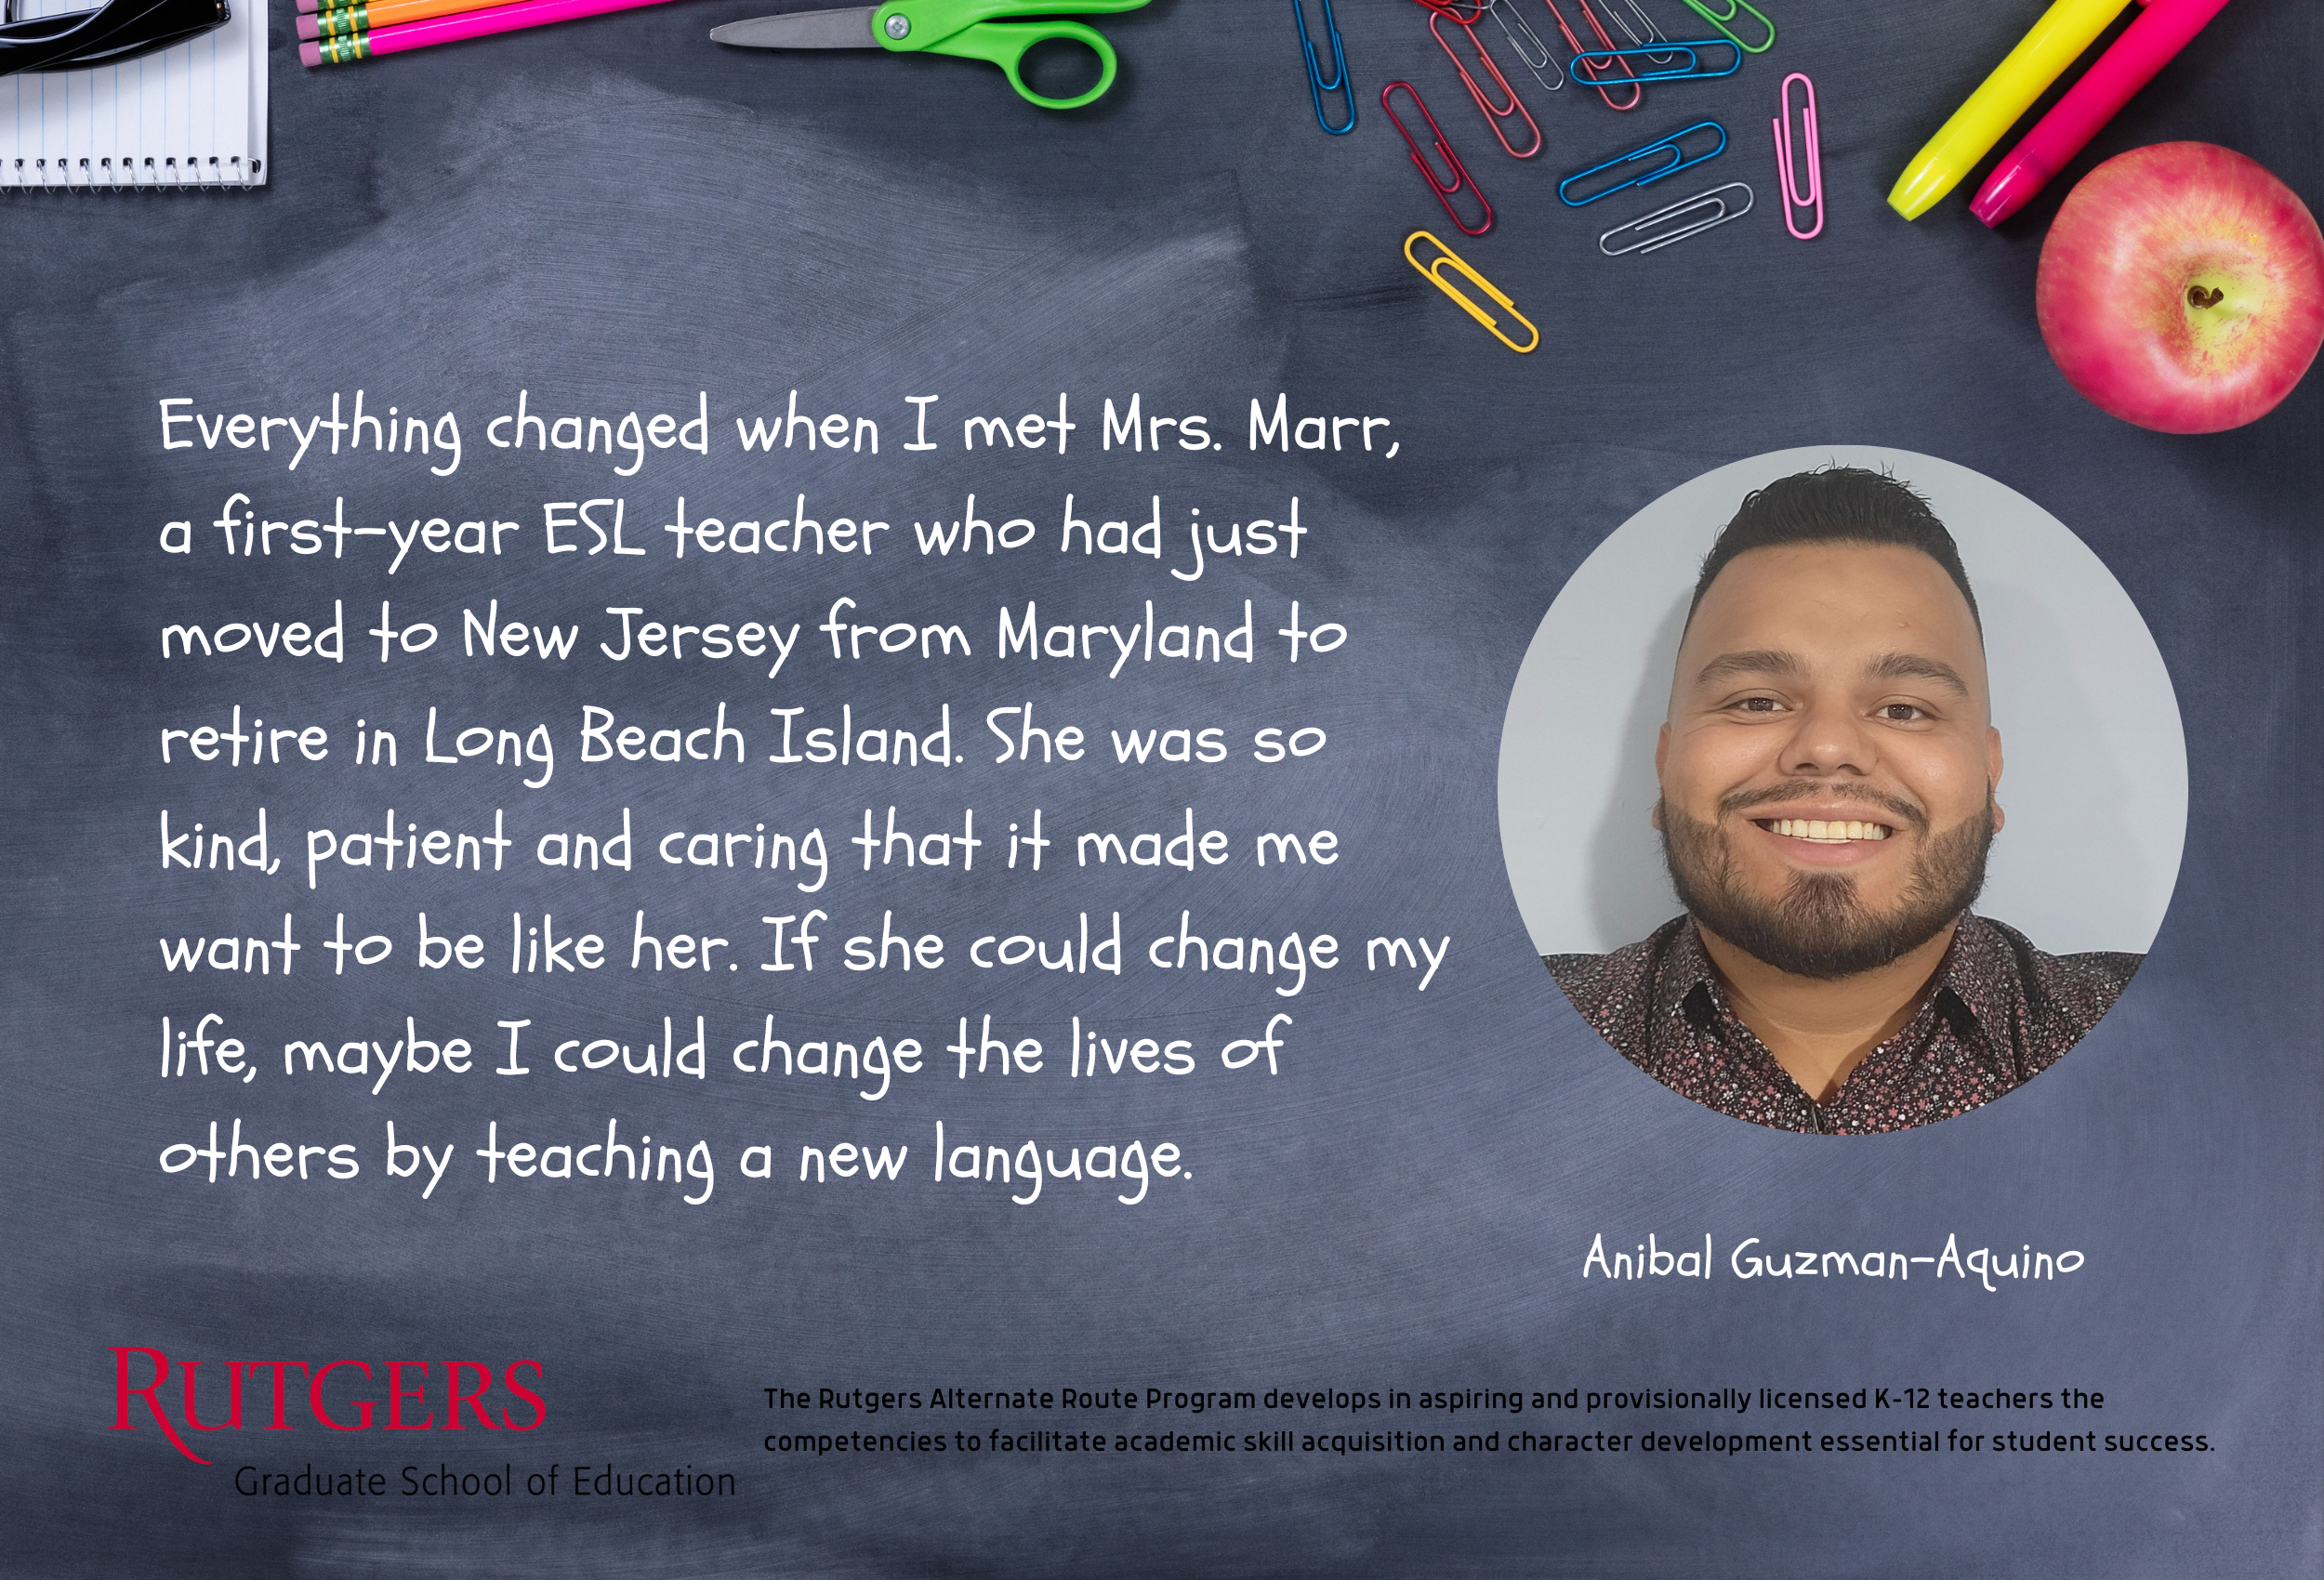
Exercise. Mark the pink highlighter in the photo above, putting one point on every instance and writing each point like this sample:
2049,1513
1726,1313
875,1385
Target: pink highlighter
488,18
2145,48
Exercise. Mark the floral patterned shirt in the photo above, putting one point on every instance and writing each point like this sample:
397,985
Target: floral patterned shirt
1998,1013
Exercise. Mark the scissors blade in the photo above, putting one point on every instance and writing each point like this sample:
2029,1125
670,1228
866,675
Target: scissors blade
848,28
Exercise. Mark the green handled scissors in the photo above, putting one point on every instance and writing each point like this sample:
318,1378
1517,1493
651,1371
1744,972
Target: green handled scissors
942,27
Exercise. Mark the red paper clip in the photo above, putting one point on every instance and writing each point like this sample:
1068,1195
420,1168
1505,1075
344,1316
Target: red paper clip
1450,11
1605,41
1510,104
1460,176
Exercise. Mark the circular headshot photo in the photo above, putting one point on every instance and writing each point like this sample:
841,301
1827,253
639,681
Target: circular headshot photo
1843,790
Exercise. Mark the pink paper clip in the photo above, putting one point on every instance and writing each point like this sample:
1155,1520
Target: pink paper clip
1460,176
1510,105
1792,196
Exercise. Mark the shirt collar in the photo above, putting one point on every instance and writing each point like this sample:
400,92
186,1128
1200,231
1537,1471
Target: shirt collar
1687,972
1971,979
1980,970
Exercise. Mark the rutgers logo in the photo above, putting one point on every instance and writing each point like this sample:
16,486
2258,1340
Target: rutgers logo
467,1392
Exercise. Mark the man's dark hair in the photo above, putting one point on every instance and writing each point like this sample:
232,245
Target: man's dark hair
1836,505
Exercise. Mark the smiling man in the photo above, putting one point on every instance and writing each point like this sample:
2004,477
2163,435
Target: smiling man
1828,770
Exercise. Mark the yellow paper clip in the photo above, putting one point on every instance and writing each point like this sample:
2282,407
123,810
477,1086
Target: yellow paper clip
1491,323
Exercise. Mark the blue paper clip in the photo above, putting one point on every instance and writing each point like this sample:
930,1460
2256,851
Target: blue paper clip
1316,86
1666,145
1689,70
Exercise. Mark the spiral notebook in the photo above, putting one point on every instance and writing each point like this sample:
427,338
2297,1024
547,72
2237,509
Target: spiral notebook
190,116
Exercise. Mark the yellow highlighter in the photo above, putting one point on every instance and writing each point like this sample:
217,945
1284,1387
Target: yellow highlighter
2065,31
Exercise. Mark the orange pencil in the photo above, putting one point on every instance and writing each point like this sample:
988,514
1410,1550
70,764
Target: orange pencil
343,21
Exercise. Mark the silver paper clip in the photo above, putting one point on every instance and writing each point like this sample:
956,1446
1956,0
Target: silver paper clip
1691,68
1652,36
1528,45
1678,161
1650,239
1786,168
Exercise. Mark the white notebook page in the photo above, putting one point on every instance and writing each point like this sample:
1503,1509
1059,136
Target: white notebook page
192,116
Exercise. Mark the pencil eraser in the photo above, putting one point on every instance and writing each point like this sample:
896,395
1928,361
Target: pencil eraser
310,54
309,25
311,5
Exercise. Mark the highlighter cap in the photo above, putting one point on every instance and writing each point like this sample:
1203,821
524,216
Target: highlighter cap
2009,187
1917,190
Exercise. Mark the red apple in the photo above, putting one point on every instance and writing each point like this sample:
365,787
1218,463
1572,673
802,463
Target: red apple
2181,288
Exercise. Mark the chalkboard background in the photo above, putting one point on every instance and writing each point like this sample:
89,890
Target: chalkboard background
615,214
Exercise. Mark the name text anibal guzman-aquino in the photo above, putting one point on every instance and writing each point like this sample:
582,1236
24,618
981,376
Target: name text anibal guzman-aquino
1993,1268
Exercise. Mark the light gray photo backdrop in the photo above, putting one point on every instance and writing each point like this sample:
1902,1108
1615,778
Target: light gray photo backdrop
2095,764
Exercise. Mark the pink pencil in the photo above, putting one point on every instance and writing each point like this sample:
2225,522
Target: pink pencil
451,29
2146,46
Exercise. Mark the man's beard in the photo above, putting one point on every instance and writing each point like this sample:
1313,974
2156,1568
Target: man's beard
1818,927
